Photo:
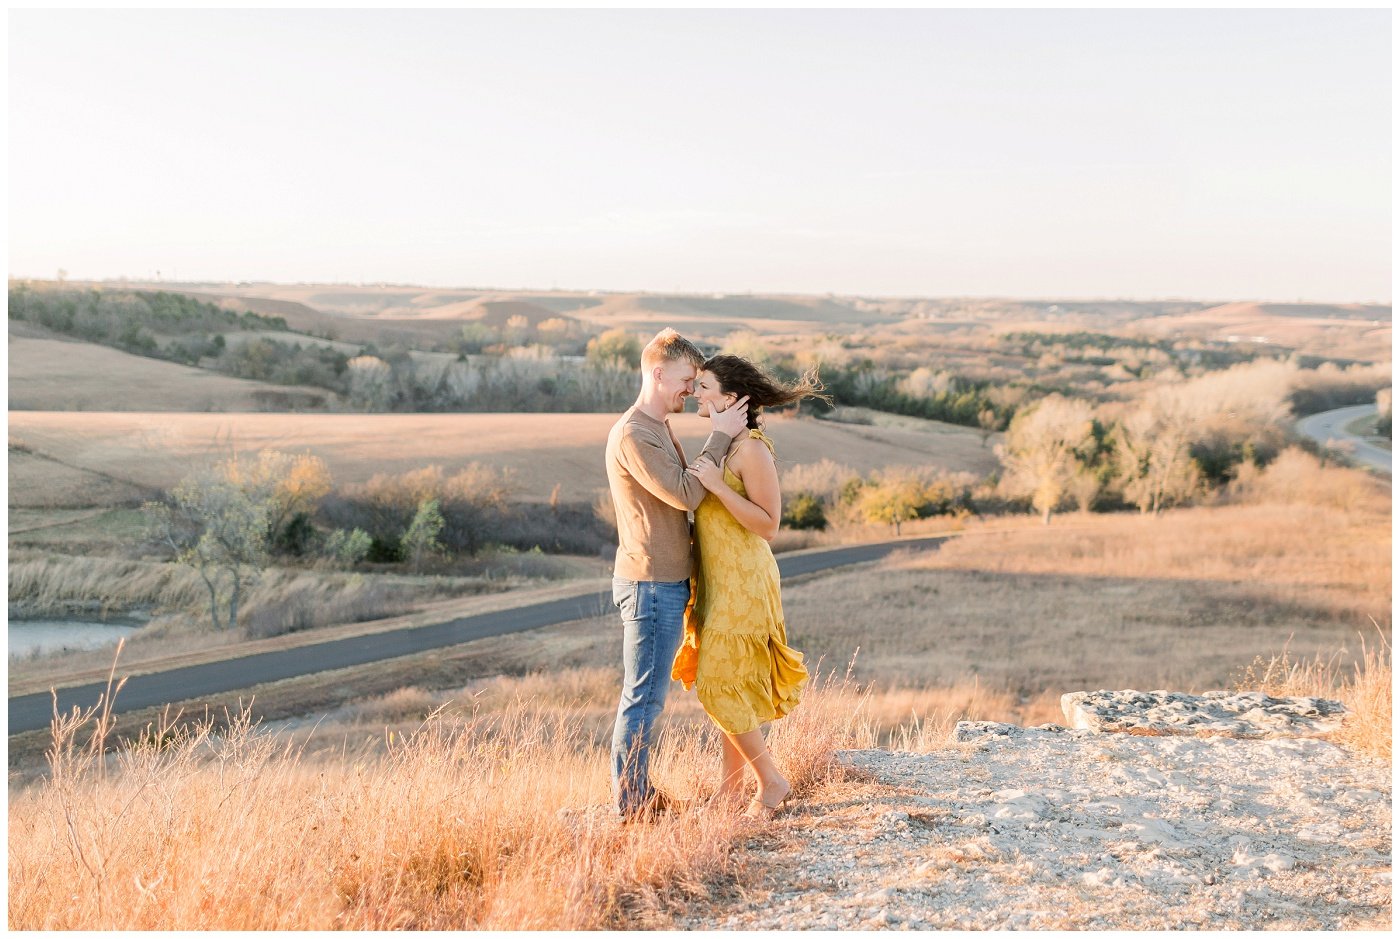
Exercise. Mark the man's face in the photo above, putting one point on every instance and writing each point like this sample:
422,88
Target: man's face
676,383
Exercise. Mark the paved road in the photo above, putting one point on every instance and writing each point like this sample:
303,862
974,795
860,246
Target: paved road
1328,429
34,711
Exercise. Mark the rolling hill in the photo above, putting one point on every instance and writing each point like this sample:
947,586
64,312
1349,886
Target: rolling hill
59,374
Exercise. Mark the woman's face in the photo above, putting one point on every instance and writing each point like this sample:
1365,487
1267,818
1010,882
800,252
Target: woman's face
708,395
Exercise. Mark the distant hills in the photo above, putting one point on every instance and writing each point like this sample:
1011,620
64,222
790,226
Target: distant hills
1352,331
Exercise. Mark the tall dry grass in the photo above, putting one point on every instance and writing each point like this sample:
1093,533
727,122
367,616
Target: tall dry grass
1365,689
457,824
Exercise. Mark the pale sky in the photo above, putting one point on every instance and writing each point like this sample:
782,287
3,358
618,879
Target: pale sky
1056,154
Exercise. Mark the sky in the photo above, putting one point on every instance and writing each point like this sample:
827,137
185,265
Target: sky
1203,154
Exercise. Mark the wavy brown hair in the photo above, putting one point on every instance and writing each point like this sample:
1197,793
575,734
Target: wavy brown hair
739,376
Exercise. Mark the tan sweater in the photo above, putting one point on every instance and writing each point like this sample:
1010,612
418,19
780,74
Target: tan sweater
651,494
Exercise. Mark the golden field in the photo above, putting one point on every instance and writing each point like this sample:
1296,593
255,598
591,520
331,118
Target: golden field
540,451
428,804
58,374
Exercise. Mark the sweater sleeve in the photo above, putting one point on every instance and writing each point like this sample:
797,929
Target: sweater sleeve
654,463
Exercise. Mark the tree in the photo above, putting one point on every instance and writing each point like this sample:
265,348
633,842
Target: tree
294,484
804,511
346,548
222,520
1041,450
893,501
987,424
421,539
517,331
371,382
616,348
1383,412
749,345
1154,455
220,528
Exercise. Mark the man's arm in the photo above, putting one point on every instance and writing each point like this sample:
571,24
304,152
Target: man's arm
654,463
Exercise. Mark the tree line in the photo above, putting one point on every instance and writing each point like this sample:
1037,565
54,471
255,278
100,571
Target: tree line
137,321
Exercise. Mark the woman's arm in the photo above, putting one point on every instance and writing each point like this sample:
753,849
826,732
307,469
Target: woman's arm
761,512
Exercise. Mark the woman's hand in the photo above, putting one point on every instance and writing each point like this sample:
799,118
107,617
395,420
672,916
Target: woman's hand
705,470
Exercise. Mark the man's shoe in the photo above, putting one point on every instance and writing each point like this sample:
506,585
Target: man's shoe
654,808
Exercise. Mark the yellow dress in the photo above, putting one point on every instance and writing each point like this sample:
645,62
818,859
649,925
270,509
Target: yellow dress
735,650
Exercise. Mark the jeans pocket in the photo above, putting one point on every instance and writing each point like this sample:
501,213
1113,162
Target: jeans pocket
625,597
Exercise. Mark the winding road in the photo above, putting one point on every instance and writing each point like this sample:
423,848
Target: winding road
1329,429
154,689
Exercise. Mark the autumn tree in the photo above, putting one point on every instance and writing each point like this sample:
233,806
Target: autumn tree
1041,451
222,520
1154,454
616,348
893,501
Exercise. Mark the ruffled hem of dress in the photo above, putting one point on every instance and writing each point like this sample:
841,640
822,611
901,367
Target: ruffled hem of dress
768,697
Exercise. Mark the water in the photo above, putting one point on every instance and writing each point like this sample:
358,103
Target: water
42,636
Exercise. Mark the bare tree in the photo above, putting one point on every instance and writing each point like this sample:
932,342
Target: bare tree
371,382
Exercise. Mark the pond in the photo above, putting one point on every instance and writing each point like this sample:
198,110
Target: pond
42,636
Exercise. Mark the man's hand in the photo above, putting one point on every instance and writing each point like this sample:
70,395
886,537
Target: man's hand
705,470
732,420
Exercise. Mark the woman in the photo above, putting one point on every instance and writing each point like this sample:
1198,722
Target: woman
735,649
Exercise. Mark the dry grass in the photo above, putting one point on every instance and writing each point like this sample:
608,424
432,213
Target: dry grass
457,824
1365,689
1121,601
42,584
282,601
540,451
67,375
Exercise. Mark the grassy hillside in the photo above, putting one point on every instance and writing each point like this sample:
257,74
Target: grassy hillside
1351,331
60,374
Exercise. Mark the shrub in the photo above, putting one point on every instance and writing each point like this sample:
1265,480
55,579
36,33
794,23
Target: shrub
804,511
346,548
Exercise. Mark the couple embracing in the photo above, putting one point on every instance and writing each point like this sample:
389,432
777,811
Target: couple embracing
709,613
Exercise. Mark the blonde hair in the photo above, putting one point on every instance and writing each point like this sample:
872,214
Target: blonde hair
670,346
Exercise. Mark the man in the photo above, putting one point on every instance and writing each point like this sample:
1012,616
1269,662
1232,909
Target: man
652,494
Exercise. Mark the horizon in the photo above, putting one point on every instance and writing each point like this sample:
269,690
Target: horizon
717,294
1077,155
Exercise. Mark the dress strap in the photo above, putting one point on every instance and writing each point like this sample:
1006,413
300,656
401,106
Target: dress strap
757,434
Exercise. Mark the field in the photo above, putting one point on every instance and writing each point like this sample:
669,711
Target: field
463,787
481,813
63,375
1352,331
541,451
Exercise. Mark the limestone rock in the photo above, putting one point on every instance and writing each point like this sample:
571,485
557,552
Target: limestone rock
1247,715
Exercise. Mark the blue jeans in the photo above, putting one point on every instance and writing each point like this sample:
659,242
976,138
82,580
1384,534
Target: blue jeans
652,623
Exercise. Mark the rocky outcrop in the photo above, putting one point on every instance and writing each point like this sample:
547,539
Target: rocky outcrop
1073,828
1248,715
